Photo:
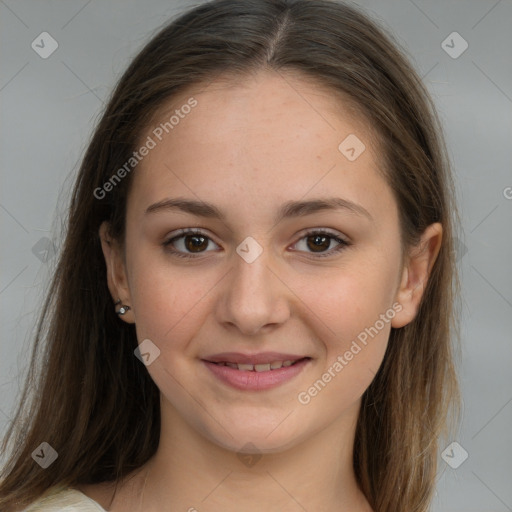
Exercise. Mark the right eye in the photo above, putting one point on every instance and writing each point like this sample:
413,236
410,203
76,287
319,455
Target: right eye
189,240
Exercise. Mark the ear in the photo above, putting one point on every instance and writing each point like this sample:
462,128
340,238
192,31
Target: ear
415,274
116,271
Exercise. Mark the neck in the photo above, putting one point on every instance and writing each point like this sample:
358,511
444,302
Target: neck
190,472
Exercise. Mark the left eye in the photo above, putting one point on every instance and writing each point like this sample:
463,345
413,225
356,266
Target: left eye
196,242
318,241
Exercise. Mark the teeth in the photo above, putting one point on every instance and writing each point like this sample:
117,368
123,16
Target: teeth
262,367
246,367
275,365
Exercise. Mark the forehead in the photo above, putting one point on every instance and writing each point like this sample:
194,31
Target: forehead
267,135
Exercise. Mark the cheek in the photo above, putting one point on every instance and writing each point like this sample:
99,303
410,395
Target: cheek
351,297
345,378
354,323
353,312
170,301
161,295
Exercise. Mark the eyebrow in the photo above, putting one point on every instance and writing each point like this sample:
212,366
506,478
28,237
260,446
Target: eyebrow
288,210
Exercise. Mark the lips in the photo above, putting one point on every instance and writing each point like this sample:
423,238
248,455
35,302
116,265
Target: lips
263,367
262,358
257,377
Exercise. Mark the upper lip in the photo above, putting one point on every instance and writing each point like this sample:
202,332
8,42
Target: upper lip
260,358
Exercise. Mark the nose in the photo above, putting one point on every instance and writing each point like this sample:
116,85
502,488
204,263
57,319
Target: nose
253,296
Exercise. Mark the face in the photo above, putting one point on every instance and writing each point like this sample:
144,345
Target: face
318,283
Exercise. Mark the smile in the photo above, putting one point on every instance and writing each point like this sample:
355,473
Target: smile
256,377
265,367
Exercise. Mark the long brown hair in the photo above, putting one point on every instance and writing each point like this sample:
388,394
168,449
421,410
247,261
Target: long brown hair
92,400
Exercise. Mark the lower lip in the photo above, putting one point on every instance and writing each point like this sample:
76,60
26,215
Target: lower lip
253,380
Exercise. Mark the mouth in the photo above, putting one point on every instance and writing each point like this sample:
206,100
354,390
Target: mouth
257,376
261,367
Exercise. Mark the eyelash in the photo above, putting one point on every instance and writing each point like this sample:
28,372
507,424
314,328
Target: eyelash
191,232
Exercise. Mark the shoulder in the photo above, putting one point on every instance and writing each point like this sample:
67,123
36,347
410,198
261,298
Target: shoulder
64,500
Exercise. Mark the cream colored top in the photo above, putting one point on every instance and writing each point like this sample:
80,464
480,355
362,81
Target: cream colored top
65,500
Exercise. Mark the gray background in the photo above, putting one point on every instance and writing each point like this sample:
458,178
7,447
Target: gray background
48,109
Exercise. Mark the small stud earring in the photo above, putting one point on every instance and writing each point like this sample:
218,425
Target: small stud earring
123,309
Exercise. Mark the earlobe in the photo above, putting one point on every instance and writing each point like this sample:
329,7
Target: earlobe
415,274
116,274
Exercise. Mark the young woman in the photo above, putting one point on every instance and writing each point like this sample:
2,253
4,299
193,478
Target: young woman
253,307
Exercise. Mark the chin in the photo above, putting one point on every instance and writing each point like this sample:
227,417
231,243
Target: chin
263,437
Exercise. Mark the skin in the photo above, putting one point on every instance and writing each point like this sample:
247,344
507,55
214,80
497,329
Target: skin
248,147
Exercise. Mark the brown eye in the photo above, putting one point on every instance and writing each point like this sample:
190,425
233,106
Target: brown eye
191,243
319,242
187,244
195,243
